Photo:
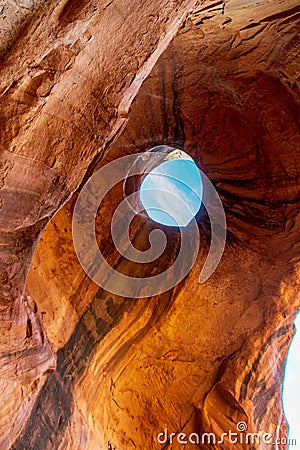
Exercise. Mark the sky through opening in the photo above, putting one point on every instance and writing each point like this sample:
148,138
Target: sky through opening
172,192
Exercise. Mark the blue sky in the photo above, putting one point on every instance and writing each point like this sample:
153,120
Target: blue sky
170,186
291,391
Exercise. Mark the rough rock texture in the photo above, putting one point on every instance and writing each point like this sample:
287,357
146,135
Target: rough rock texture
80,367
67,77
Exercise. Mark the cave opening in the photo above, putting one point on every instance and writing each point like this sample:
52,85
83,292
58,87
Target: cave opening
291,388
171,193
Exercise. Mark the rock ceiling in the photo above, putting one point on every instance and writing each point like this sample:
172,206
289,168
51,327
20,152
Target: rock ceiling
82,84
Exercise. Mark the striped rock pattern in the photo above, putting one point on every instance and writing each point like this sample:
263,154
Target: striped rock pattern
82,368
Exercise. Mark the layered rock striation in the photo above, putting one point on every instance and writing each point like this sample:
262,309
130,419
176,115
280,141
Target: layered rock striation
82,85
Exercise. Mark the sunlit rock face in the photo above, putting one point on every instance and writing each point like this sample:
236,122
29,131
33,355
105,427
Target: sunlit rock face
83,368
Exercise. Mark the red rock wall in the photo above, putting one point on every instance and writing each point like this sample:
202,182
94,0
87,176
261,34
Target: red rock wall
88,369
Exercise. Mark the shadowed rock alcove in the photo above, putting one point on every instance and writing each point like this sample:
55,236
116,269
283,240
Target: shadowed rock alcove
82,368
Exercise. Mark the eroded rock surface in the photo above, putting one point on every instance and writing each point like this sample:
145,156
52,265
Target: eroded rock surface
66,68
82,368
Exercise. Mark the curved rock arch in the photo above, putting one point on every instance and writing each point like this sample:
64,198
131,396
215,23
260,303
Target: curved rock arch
81,366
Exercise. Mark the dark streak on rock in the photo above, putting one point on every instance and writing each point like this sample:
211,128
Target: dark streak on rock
282,331
53,408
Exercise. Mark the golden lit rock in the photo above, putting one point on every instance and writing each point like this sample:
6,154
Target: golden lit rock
83,84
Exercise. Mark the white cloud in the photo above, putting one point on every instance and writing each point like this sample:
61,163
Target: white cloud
171,196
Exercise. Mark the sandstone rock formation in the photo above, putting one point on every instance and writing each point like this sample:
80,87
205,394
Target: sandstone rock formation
83,83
